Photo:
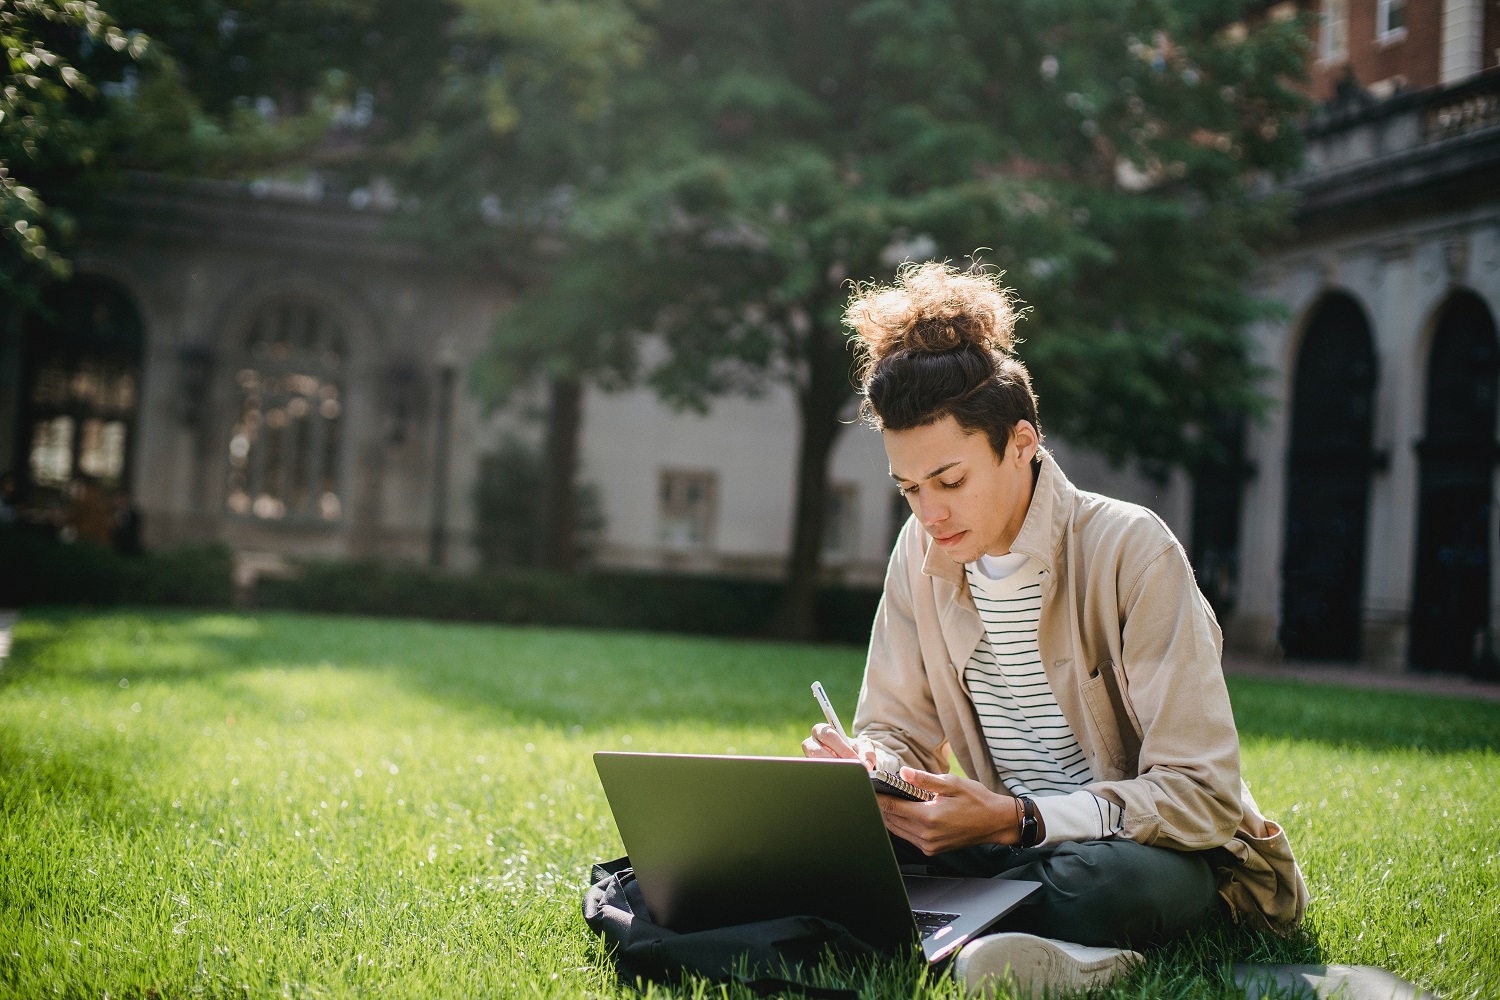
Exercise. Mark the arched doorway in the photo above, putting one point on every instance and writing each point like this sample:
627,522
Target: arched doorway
80,385
1328,484
1451,595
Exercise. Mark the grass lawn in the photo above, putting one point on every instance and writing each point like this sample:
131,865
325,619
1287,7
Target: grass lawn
280,805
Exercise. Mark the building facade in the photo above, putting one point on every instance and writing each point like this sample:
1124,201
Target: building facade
1367,525
255,370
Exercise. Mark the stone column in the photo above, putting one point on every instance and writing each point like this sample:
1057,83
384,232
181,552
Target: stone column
1390,547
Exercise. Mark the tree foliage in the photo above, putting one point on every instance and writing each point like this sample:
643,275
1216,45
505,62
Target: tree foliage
1111,158
50,122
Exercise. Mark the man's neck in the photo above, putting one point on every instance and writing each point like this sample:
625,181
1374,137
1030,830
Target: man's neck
1018,519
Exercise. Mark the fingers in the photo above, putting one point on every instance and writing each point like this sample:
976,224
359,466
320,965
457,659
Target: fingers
812,748
830,738
943,784
962,815
826,742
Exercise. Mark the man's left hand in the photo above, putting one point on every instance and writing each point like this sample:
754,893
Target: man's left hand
965,813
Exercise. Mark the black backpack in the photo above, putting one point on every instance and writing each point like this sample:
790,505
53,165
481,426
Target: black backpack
763,956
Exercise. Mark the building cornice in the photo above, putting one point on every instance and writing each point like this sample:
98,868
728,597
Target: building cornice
242,216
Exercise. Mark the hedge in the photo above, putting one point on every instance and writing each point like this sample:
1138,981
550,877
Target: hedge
599,599
38,569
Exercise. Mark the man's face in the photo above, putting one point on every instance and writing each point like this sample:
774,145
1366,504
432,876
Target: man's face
971,501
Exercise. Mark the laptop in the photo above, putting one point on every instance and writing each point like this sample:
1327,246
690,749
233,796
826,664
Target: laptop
722,840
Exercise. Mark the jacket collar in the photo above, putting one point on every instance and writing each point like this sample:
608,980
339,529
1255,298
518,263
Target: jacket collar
1042,532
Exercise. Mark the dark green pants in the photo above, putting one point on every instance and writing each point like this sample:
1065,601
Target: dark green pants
1096,892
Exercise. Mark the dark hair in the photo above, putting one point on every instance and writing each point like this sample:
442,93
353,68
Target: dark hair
937,343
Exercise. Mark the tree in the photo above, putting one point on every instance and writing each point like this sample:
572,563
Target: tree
88,95
519,122
1110,157
51,125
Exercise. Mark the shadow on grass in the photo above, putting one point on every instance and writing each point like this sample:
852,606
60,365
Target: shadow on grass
560,677
1373,720
506,673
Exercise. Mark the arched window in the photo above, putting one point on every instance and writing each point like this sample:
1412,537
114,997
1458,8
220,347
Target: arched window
284,449
79,391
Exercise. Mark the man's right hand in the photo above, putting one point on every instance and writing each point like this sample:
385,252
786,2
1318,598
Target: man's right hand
826,742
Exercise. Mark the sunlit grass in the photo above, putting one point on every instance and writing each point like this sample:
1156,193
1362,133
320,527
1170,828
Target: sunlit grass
296,806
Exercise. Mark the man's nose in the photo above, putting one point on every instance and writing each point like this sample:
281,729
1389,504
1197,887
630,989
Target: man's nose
930,511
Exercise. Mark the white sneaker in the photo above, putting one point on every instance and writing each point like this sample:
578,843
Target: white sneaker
1033,964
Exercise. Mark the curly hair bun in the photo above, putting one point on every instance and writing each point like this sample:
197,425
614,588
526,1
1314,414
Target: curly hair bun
931,308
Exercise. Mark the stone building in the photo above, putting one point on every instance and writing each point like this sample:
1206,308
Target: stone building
254,369
1366,527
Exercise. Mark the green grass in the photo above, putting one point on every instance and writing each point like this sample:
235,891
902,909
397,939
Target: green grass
279,805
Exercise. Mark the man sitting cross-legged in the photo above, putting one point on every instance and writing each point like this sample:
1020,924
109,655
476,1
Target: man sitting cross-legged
1055,642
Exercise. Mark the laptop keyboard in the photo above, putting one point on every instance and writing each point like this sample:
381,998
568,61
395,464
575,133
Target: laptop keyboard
929,922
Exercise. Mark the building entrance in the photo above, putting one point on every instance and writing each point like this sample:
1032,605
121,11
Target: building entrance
1451,596
1328,485
80,383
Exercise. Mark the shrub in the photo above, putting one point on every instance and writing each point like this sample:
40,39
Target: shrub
39,569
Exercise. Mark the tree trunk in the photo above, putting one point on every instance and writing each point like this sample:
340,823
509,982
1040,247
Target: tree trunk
820,401
559,517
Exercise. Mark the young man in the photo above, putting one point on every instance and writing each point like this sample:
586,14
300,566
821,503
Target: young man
1056,644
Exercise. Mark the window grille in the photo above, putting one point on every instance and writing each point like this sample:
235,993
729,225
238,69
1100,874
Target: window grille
285,446
1390,20
688,501
98,399
1333,40
841,522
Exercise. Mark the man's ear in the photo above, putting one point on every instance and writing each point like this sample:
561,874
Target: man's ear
1023,435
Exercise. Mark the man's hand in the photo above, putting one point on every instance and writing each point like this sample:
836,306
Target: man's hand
826,742
965,813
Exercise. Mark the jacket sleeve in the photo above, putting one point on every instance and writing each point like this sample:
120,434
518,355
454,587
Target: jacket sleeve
896,708
1186,795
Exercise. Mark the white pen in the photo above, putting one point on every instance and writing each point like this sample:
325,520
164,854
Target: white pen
827,706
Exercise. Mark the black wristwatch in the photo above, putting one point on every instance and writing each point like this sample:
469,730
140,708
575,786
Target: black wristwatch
1030,825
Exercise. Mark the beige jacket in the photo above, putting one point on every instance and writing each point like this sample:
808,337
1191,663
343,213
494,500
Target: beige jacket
1131,649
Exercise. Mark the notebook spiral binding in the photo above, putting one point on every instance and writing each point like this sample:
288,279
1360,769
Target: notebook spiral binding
894,784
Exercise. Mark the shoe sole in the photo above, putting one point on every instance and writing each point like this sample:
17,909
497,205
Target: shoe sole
1033,963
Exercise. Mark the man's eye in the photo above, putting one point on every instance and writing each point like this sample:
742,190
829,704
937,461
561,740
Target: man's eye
953,485
906,491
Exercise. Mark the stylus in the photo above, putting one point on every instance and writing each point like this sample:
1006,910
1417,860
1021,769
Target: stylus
827,706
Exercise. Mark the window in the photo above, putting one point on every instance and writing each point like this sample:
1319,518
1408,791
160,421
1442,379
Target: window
1390,20
688,500
80,389
841,522
1333,38
284,449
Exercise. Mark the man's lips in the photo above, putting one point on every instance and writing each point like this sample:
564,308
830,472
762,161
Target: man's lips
946,540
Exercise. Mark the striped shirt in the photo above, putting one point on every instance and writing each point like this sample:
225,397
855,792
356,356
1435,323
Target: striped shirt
1033,749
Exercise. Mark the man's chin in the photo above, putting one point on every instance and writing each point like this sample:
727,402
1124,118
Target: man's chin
964,552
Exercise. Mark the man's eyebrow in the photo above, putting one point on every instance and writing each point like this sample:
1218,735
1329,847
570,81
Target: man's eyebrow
935,472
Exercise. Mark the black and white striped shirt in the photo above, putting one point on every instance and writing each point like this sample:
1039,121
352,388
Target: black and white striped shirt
1033,749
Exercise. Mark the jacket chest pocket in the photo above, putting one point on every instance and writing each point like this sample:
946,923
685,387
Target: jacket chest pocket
1108,752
